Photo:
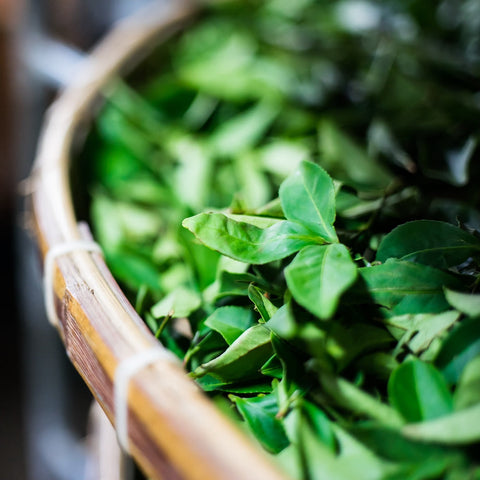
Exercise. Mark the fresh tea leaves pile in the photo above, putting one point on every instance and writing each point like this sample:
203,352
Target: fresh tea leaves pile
288,192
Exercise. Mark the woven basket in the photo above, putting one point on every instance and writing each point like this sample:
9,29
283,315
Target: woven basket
174,432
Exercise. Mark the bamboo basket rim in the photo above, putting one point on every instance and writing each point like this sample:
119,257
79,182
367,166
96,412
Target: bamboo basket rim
174,431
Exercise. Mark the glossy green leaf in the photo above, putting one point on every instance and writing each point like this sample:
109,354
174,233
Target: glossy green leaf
243,359
433,243
308,197
419,392
230,321
260,414
461,345
406,287
319,275
246,242
262,304
235,284
458,428
467,303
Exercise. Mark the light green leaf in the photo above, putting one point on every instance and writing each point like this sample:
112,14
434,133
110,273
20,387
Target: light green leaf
467,392
419,392
459,428
419,331
319,275
244,130
243,359
179,303
283,321
308,197
430,242
230,321
246,242
467,303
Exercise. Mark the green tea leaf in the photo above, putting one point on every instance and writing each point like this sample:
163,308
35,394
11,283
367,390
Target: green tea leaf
243,359
392,445
406,287
243,131
418,331
246,242
260,414
230,321
134,270
419,392
319,275
458,428
235,284
181,302
283,321
461,345
349,396
308,197
347,161
467,303
433,243
262,304
467,392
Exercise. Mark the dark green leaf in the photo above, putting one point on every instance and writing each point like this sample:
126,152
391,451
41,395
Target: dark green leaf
406,287
462,344
419,392
259,412
236,284
212,384
433,243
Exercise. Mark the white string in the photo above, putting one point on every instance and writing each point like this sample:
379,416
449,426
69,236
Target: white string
126,369
49,270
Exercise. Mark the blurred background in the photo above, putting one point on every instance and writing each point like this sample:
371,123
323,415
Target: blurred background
43,403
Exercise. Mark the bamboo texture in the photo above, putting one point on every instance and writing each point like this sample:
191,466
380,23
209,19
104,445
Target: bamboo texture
174,431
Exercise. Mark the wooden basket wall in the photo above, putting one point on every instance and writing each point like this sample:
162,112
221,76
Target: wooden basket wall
174,430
